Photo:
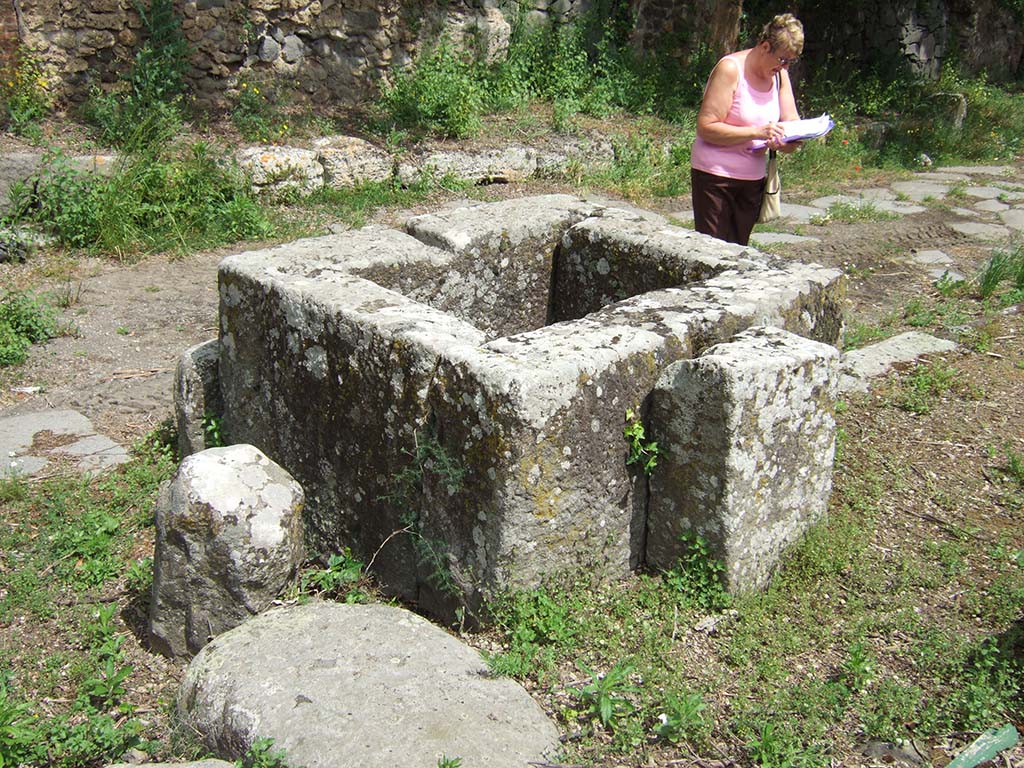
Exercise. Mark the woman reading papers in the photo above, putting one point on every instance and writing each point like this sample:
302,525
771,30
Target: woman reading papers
747,95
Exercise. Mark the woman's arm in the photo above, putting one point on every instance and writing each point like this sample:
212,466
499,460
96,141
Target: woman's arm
714,109
787,108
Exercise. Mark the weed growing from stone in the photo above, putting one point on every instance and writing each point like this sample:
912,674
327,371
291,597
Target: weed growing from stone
339,579
213,430
641,450
698,576
449,762
261,754
429,461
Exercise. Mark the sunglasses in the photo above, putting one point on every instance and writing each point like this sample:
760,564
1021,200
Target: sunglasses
786,62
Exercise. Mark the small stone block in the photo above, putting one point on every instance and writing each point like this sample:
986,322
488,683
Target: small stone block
747,435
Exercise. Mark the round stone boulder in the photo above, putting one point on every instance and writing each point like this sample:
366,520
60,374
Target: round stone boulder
358,686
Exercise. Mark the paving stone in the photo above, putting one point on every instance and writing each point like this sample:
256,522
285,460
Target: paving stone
940,176
983,192
939,273
980,170
980,230
1011,195
967,212
899,207
921,190
991,206
874,360
931,257
774,238
877,193
28,443
1014,219
879,203
800,213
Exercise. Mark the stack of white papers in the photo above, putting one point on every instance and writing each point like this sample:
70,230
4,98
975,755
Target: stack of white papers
798,130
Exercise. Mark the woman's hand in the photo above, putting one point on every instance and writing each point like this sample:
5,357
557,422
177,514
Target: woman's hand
773,134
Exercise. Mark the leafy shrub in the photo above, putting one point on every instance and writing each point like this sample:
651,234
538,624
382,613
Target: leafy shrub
24,321
23,93
256,114
442,93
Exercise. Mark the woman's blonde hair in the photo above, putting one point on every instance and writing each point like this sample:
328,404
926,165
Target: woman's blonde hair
784,32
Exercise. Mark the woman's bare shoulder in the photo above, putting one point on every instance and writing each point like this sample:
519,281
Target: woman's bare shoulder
727,70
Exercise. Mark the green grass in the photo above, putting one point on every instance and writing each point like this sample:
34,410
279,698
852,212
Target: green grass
68,539
24,320
834,601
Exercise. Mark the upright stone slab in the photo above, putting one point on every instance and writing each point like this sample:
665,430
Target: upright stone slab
506,254
747,435
228,540
196,394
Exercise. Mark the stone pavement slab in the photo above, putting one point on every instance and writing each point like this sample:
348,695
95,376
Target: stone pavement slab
940,176
30,442
1014,219
940,273
991,206
980,170
878,203
981,230
774,238
876,359
800,213
931,257
921,190
983,192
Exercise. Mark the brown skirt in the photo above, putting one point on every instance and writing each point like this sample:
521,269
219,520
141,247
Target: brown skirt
725,208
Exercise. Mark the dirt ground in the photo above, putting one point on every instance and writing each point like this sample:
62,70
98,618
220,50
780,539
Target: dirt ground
129,323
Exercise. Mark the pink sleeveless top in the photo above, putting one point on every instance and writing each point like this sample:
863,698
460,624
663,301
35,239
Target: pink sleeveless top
749,107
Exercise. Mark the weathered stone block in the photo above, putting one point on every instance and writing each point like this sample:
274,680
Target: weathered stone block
747,434
282,169
345,356
506,164
228,540
348,161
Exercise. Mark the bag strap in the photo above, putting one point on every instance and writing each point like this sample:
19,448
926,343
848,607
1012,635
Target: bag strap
772,155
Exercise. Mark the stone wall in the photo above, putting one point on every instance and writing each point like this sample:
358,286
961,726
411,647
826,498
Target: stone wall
8,30
324,51
319,50
982,34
